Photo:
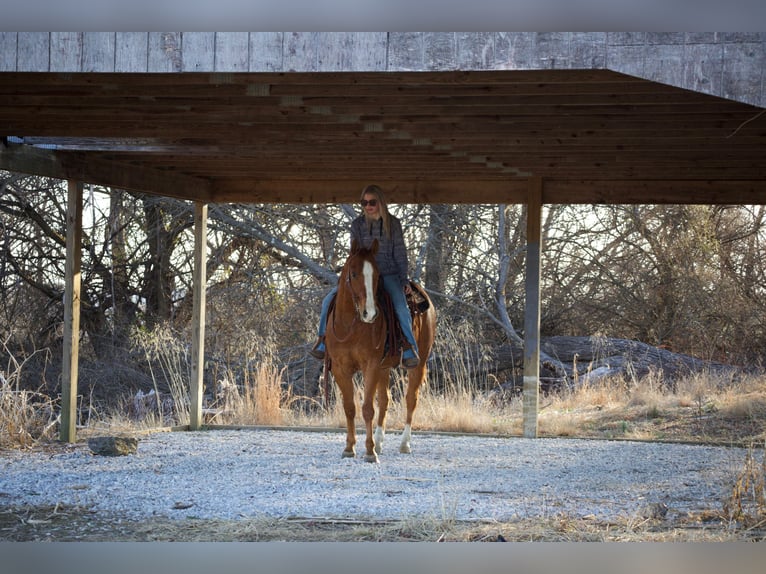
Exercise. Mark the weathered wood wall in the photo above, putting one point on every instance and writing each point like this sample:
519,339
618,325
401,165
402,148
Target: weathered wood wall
727,64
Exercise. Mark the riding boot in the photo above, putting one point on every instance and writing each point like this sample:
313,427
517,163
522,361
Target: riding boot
410,358
318,350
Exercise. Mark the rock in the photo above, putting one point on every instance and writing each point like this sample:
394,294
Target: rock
113,445
654,511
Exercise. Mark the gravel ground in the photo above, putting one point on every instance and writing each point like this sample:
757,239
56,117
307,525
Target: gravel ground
254,473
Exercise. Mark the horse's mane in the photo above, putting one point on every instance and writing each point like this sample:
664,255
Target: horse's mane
365,252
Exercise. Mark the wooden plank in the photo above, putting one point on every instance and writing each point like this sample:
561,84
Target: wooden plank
475,50
66,51
72,285
638,191
703,68
439,51
664,64
626,38
199,285
739,37
531,385
300,52
98,52
232,51
198,51
405,51
743,72
487,81
552,50
588,50
132,52
313,189
33,52
334,51
370,51
513,50
165,54
665,38
8,51
92,169
266,51
326,190
628,59
701,38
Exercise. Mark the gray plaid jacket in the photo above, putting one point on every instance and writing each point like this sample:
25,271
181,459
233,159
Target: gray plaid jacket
392,253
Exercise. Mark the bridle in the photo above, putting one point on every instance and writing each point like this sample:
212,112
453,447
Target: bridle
355,298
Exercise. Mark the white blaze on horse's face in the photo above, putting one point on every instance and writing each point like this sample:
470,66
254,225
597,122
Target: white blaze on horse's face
369,312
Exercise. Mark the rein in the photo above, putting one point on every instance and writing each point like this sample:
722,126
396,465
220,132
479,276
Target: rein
355,300
356,313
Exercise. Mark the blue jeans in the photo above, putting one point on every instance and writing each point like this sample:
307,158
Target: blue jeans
399,300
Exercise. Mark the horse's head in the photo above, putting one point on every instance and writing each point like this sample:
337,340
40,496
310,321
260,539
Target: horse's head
360,276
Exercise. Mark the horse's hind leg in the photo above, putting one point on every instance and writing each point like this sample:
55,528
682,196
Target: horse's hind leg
380,428
414,380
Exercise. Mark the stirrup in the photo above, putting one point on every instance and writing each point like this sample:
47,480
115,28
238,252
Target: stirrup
410,362
318,350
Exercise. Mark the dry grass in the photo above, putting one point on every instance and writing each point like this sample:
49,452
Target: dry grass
26,417
64,524
700,408
260,400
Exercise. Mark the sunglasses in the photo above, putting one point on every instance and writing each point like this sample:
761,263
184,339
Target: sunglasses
370,202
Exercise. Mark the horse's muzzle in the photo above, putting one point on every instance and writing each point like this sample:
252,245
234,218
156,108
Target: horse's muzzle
368,315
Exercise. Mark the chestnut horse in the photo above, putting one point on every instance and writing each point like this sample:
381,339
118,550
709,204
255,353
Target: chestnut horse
356,342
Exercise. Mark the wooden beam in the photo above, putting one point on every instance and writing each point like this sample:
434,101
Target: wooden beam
93,169
198,317
531,389
72,282
316,190
457,191
645,191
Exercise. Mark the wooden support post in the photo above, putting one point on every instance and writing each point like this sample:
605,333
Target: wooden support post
72,280
198,317
530,400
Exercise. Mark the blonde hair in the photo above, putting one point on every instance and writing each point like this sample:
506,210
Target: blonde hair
375,190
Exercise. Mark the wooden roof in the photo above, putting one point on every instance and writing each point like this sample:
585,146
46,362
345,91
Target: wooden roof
593,136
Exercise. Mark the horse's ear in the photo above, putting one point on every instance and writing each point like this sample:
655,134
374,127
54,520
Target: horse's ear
374,247
355,246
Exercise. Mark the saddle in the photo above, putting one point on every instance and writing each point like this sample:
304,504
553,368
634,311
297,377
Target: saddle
417,300
417,303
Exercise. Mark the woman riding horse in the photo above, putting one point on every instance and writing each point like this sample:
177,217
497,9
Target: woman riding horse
358,340
377,223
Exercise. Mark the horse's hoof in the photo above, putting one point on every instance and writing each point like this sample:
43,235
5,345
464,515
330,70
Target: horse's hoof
405,449
371,457
348,454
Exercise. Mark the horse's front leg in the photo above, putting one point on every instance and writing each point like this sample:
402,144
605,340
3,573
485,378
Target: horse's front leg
346,385
371,382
